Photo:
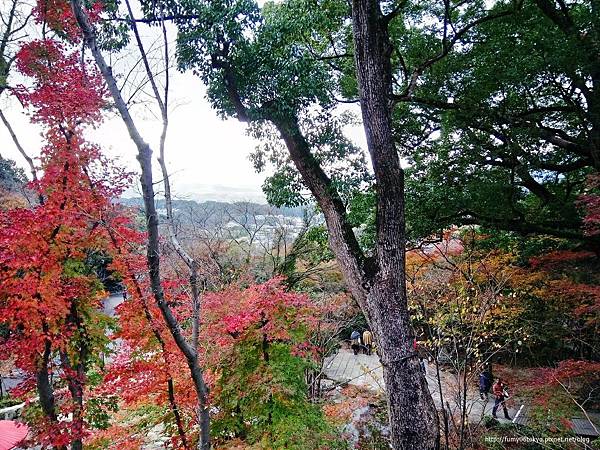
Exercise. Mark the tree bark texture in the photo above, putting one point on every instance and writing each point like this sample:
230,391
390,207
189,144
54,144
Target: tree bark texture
44,387
76,376
378,286
413,416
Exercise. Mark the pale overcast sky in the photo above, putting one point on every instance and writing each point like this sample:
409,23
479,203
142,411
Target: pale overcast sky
207,156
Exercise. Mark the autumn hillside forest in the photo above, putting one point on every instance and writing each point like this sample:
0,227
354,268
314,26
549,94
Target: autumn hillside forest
299,224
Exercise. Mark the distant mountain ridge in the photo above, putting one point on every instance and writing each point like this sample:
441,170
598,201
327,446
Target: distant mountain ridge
219,207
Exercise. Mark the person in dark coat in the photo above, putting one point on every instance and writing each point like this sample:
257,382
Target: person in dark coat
355,341
485,383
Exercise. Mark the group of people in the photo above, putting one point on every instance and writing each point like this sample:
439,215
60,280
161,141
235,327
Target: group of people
364,342
499,390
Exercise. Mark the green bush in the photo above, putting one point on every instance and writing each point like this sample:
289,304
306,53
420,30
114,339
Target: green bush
8,401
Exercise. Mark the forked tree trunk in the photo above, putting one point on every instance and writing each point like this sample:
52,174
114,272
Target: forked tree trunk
378,286
413,417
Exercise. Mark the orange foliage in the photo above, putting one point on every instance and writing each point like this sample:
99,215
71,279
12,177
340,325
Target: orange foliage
351,398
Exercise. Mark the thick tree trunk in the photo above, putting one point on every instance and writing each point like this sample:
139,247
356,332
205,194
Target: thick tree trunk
412,413
379,289
377,284
413,417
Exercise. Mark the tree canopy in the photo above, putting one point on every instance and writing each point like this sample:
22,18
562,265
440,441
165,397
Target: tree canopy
468,226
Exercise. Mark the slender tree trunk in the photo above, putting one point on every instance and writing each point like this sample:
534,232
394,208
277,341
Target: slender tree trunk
445,412
413,417
175,411
75,386
44,386
463,404
170,383
43,383
76,376
144,157
161,342
594,113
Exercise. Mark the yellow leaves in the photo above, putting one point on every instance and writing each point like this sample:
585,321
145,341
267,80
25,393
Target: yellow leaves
11,200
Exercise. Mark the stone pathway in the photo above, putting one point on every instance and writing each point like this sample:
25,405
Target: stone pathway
111,302
359,370
366,370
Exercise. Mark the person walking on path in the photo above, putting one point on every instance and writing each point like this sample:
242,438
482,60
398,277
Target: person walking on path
355,341
367,339
423,366
485,383
500,392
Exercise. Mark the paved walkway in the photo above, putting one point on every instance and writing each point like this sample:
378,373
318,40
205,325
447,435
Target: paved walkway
366,370
111,302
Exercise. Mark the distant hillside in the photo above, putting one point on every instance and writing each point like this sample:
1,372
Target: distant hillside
12,185
216,208
242,221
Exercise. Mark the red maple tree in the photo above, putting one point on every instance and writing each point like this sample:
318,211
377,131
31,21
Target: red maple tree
263,317
50,294
590,201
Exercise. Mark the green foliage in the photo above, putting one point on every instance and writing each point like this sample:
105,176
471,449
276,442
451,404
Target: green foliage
362,215
476,138
262,398
284,188
7,401
316,237
306,428
264,66
113,35
259,48
523,247
247,401
146,416
473,119
342,160
99,410
11,176
260,389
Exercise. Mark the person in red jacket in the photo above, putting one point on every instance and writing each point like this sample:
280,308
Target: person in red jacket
501,394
